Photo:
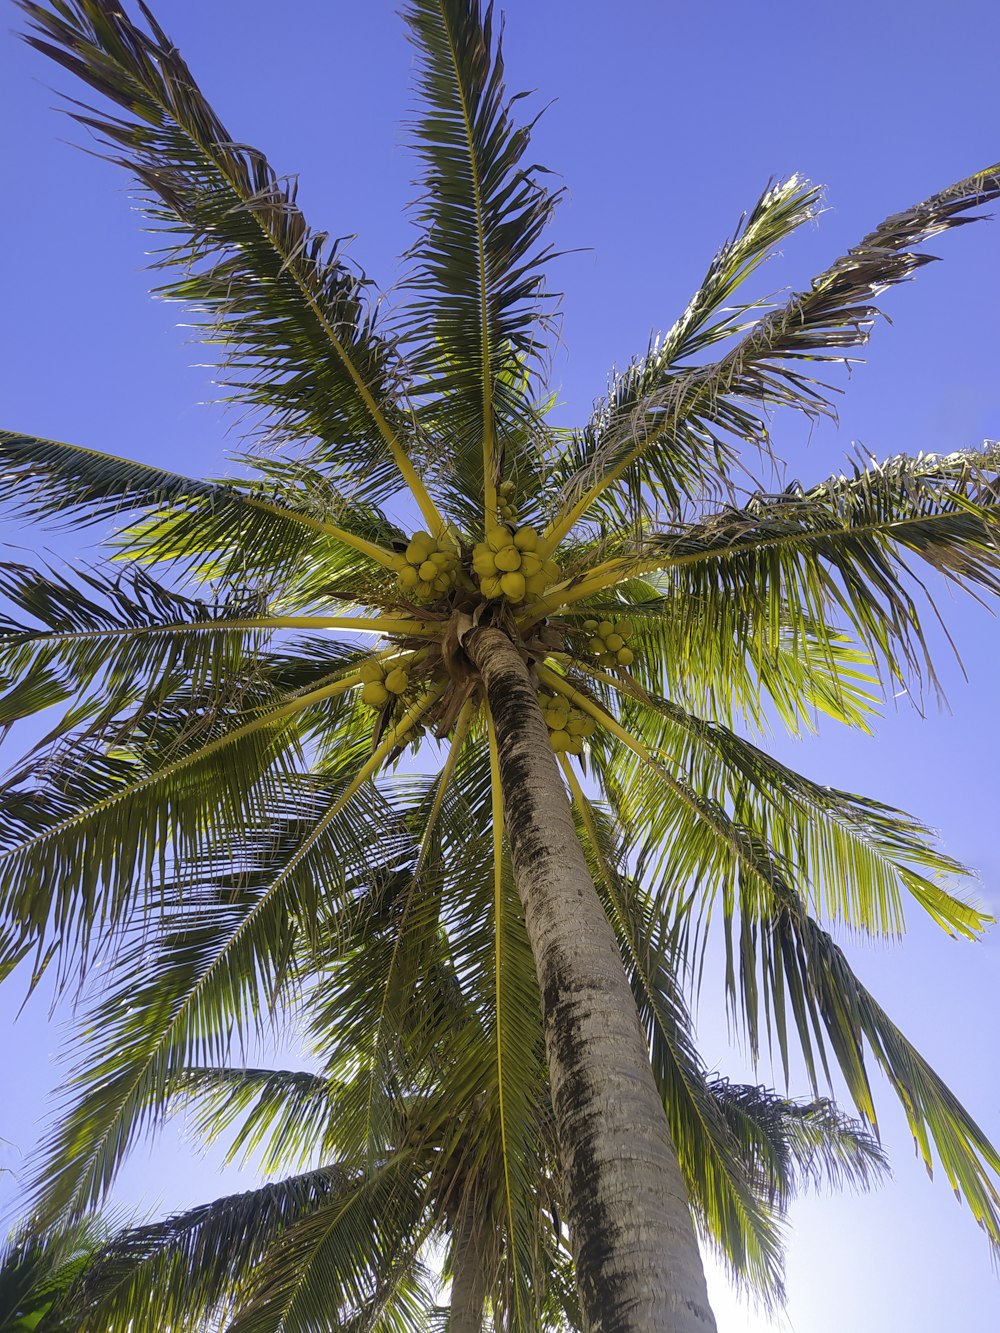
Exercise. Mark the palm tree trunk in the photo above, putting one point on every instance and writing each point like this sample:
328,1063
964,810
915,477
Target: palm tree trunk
637,1261
470,1278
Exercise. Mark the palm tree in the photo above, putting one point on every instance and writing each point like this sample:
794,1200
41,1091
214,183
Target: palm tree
614,595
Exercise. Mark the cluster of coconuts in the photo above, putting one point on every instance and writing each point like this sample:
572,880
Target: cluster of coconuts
379,684
608,641
568,726
427,569
508,564
507,511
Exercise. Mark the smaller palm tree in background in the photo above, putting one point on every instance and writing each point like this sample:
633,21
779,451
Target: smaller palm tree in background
353,1246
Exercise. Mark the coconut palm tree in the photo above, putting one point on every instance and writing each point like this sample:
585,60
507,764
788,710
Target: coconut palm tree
617,596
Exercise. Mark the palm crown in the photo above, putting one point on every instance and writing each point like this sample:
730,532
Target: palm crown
219,809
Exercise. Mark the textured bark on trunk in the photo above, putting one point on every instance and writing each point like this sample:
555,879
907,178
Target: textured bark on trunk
637,1261
469,1281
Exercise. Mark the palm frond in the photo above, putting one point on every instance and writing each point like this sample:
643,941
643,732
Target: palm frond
299,332
514,1029
196,1265
474,330
282,1117
244,532
122,633
95,825
804,565
850,856
231,952
729,668
680,437
795,954
349,1260
839,551
795,1145
39,1273
764,369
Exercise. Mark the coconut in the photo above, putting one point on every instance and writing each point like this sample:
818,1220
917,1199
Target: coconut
513,586
397,680
508,560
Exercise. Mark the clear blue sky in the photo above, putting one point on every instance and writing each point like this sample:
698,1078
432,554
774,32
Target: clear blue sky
668,119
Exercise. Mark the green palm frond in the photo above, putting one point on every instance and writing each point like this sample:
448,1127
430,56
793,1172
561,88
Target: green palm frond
122,633
684,453
236,928
298,329
474,329
98,825
840,550
283,1117
516,1078
428,1022
800,668
777,955
352,1259
39,1273
764,369
176,1273
200,1265
248,533
789,1146
794,955
851,856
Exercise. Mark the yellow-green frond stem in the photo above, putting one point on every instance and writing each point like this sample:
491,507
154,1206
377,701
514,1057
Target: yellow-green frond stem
291,266
360,624
622,685
600,715
491,510
485,342
377,553
559,528
599,579
618,570
363,625
447,772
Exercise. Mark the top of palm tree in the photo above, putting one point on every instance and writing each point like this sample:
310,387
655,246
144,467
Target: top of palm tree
217,809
